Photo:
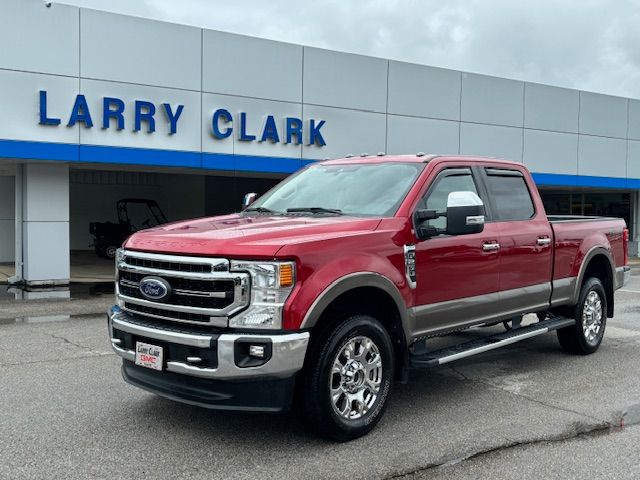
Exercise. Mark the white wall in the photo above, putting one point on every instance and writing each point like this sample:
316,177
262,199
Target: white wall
635,220
7,219
369,104
45,225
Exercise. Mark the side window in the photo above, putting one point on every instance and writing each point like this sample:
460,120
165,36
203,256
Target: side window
453,180
510,195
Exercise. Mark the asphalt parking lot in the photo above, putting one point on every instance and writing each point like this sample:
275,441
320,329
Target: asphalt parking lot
529,411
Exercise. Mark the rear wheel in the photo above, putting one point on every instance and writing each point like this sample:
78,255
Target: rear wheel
590,313
349,378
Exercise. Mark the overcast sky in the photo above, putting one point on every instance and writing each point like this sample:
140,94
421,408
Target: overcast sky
587,44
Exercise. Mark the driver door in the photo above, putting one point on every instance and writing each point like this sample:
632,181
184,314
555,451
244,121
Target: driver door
456,275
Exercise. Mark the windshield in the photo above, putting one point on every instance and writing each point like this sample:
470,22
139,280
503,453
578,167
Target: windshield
355,189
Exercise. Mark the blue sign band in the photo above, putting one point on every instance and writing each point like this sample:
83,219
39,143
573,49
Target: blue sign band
28,150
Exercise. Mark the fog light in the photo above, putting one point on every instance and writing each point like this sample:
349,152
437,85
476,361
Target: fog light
256,351
252,352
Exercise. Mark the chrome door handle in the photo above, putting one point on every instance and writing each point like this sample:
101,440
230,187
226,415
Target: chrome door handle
491,247
544,241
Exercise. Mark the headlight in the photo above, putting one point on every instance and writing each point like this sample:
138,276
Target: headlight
271,284
119,258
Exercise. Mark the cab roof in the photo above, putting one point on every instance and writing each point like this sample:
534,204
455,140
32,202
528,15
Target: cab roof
416,158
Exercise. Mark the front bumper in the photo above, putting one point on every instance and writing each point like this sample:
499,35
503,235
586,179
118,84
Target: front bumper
222,378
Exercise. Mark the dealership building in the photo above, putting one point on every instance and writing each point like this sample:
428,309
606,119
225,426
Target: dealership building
98,107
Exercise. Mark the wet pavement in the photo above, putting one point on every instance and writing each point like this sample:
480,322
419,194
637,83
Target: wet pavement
85,267
49,304
526,411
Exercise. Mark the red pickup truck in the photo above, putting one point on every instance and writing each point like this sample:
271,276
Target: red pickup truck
334,284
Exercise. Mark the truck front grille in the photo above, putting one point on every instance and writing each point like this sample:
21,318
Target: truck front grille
201,291
216,294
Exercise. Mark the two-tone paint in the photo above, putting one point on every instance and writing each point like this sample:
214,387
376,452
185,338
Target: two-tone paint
459,282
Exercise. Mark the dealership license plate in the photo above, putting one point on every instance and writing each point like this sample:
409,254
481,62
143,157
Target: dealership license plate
149,356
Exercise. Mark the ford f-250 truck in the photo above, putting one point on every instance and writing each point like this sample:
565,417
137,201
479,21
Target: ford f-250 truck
335,283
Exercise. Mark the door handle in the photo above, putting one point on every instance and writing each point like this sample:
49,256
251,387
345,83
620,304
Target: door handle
490,246
543,241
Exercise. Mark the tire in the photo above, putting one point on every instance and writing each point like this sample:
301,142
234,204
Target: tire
344,420
590,313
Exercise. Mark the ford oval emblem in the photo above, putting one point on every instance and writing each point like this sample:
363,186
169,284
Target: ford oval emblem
154,288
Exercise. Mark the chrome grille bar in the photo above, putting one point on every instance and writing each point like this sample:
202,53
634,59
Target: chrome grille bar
179,291
237,288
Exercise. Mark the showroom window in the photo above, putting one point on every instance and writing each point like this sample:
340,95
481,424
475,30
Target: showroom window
602,204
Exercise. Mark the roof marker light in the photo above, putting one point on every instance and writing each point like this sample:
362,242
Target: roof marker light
364,154
420,154
381,154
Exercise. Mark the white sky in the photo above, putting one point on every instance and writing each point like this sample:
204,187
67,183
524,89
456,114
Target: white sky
587,44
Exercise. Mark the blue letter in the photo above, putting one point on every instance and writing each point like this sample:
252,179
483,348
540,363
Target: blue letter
108,114
270,131
173,118
244,137
80,113
44,120
314,133
146,116
215,121
294,127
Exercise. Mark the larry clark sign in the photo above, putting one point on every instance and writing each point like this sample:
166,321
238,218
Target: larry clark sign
223,124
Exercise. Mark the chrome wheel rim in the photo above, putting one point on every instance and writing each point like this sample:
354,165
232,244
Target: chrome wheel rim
592,316
355,378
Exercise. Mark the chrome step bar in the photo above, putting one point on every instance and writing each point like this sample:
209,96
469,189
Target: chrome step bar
487,343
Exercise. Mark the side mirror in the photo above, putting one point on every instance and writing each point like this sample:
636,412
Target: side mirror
465,213
248,199
420,219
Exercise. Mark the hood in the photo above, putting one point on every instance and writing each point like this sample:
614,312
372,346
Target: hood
245,235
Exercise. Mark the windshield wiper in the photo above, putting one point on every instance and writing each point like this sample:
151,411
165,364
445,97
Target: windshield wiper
260,210
333,211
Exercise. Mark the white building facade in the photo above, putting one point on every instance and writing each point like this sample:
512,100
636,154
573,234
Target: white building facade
97,107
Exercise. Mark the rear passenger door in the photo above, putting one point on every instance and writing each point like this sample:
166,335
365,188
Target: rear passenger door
525,240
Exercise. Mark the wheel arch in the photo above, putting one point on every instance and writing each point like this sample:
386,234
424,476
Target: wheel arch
364,293
598,263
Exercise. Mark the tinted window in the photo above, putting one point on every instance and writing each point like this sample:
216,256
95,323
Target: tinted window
436,198
511,197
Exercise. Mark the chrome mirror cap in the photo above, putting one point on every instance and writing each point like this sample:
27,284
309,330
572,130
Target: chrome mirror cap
464,199
248,199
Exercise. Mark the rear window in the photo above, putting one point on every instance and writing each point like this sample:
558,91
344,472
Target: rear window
510,195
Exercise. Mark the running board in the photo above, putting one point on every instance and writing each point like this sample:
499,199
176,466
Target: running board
491,342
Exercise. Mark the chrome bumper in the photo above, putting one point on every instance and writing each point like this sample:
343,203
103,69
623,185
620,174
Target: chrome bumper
623,275
288,350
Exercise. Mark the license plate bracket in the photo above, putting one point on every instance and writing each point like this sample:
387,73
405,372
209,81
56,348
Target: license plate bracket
149,356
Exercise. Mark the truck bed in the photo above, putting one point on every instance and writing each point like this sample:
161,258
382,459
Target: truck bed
575,236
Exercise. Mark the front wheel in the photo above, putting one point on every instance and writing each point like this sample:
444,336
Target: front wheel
590,313
348,378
